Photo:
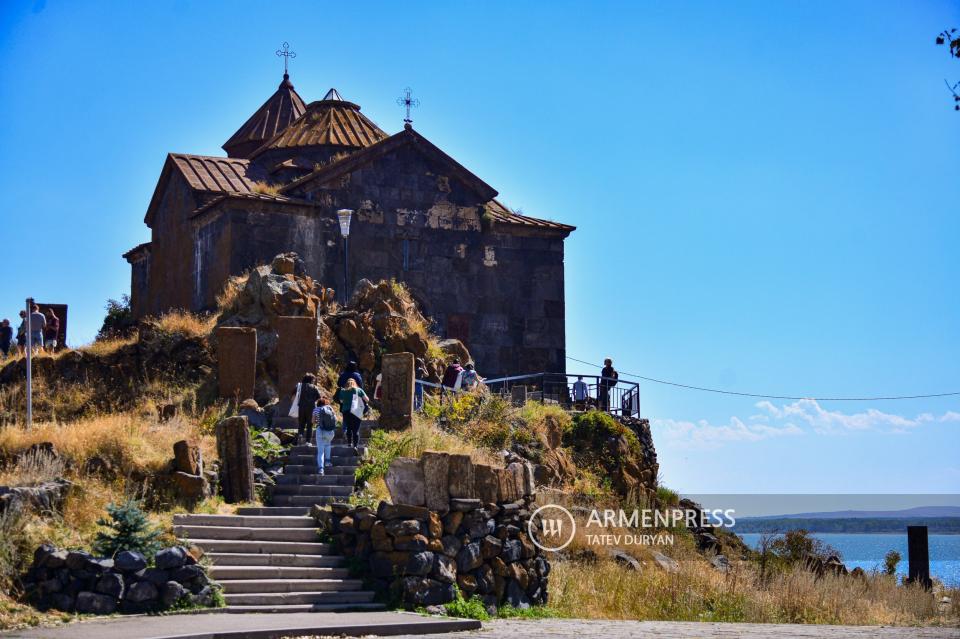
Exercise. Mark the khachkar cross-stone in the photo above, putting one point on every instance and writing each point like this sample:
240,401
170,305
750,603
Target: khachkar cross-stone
409,102
286,54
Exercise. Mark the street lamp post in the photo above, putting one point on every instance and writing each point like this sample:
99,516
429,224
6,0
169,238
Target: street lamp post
344,216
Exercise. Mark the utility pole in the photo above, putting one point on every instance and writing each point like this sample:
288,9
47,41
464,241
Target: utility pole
29,337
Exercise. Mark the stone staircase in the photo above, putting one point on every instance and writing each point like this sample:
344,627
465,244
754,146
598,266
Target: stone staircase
268,558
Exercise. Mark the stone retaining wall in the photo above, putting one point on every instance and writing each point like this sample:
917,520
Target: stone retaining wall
76,581
470,530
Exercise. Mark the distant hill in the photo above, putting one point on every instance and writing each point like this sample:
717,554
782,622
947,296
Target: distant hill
909,513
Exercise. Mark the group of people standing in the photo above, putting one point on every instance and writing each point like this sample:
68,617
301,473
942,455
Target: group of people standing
313,409
44,330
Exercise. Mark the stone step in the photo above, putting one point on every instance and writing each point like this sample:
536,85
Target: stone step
311,469
305,500
244,521
316,480
259,546
311,489
335,449
286,598
263,586
256,561
336,460
273,511
247,572
249,534
342,607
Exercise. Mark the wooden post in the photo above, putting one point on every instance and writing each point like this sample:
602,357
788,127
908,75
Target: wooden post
236,460
918,553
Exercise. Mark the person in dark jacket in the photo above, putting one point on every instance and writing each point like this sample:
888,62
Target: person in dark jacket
351,422
51,332
6,337
309,394
352,371
451,376
608,379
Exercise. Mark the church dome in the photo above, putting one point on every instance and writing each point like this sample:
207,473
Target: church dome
282,108
331,121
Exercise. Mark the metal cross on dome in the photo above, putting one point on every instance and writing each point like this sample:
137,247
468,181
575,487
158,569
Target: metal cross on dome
286,54
409,102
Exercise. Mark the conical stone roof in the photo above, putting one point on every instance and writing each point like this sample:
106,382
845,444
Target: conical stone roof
282,108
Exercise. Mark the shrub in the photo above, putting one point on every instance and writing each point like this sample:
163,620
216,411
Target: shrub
118,321
129,530
890,562
471,608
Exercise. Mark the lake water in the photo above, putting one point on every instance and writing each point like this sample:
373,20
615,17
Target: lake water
867,550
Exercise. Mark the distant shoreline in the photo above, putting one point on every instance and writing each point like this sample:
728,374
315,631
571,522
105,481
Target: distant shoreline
861,525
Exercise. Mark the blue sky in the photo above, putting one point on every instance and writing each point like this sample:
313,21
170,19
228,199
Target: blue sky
766,193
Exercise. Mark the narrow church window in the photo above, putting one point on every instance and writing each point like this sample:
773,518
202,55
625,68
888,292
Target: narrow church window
406,255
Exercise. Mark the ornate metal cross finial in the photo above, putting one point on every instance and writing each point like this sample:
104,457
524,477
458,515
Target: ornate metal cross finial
409,102
286,54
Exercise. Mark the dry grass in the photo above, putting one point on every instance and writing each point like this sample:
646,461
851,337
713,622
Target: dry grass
105,347
184,323
265,189
228,298
33,468
130,444
606,590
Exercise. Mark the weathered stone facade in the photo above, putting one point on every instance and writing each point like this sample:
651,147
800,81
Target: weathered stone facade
488,276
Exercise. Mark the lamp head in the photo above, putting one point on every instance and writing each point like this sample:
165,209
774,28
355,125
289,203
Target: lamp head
344,216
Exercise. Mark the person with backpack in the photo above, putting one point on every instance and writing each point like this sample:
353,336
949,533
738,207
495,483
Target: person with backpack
305,398
354,404
451,376
325,421
6,337
469,379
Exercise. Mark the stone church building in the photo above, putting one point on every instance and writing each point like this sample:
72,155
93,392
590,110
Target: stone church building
486,275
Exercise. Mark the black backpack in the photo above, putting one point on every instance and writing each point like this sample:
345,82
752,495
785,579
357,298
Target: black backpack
327,420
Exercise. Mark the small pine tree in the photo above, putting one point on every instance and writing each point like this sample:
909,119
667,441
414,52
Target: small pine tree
129,529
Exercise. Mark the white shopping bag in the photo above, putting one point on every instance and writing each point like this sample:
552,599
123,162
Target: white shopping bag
295,406
357,406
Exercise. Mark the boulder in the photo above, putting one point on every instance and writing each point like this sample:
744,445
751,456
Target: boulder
405,482
110,584
517,596
190,488
388,511
720,562
626,560
170,593
444,569
469,557
186,458
171,558
667,564
129,561
419,563
141,592
95,604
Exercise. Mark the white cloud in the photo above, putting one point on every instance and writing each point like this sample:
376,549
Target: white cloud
791,419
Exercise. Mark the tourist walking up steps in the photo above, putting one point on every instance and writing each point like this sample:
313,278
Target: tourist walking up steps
352,371
51,332
608,379
6,337
306,397
326,422
470,379
354,404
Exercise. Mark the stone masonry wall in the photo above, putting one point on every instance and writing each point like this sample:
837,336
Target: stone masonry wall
468,528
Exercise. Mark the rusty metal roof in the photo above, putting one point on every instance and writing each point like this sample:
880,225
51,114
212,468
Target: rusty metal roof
282,108
262,197
220,175
332,121
503,215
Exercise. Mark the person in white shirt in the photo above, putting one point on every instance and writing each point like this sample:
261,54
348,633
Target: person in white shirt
580,391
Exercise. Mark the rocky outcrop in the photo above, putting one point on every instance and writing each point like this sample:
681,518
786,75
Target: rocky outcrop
47,497
76,581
